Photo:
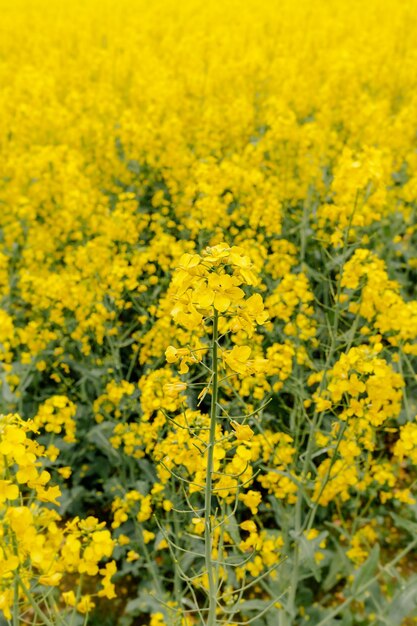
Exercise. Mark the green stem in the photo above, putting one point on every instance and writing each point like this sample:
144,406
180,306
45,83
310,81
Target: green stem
36,609
288,618
208,540
16,603
178,594
152,568
77,599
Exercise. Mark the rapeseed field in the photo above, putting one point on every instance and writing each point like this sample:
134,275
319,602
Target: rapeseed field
208,313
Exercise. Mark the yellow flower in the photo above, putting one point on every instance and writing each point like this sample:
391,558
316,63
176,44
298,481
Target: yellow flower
51,580
108,590
251,499
8,491
237,359
65,471
221,291
248,525
243,431
69,598
85,605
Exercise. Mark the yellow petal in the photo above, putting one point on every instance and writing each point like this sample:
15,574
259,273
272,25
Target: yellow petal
221,302
203,298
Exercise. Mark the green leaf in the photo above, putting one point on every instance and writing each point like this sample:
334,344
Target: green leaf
347,619
405,523
7,394
367,571
144,603
273,616
233,527
99,435
309,549
403,604
339,568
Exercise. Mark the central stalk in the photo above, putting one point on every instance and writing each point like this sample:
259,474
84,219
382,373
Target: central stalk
208,539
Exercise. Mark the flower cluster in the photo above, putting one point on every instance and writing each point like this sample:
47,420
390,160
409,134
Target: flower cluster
39,550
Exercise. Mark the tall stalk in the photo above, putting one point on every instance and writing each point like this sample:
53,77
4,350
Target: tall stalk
208,538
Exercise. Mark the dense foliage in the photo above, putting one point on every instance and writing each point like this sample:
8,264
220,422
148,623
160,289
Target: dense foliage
208,316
